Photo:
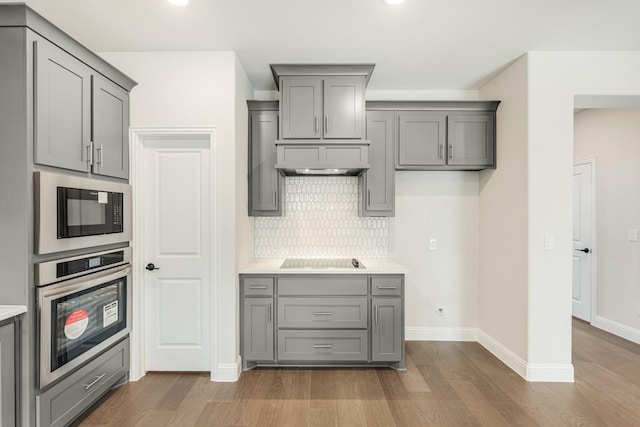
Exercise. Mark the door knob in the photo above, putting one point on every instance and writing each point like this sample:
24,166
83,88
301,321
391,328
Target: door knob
151,267
585,250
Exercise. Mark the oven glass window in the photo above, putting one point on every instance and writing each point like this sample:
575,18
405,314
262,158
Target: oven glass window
83,320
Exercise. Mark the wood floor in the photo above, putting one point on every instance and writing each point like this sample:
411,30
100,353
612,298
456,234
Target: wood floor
446,384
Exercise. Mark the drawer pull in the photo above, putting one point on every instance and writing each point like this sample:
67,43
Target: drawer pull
94,382
323,346
258,287
322,313
387,287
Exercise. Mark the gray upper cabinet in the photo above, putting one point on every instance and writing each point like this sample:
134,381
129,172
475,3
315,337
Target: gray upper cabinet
110,128
62,109
265,183
81,118
322,108
471,138
301,108
443,135
343,107
377,184
421,139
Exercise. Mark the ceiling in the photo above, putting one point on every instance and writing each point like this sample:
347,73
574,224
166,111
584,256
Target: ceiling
419,45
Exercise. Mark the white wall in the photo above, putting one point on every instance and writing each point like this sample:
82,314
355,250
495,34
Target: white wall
201,89
612,137
552,81
442,206
503,223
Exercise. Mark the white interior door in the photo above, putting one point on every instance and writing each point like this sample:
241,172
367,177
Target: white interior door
177,221
582,240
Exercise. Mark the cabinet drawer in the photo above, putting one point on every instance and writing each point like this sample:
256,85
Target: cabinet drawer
257,285
322,312
323,346
315,285
66,400
386,285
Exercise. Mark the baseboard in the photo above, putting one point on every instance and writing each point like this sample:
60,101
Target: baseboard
413,333
227,372
533,372
616,328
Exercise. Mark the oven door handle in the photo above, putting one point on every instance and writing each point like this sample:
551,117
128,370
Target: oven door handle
62,289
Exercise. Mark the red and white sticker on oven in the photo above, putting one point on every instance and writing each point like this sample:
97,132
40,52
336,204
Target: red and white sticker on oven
76,324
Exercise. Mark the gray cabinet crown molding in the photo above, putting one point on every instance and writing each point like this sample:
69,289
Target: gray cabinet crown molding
20,15
324,70
490,106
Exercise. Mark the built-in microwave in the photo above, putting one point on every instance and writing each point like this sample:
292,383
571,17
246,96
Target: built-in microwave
74,213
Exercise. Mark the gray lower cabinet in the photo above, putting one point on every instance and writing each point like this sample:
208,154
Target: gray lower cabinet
265,182
9,373
257,318
81,118
377,184
319,319
66,400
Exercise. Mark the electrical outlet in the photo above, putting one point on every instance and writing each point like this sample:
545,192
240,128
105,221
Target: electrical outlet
633,235
433,244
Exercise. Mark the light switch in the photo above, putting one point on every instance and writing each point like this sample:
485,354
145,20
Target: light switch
549,242
433,244
633,234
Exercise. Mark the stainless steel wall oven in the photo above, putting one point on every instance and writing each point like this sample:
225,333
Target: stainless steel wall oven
82,309
76,213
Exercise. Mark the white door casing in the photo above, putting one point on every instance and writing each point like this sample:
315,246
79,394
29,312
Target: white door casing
583,239
174,210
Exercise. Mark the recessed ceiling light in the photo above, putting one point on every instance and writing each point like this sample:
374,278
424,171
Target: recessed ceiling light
392,2
179,2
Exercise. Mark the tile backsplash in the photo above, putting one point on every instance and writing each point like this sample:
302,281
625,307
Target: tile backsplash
321,221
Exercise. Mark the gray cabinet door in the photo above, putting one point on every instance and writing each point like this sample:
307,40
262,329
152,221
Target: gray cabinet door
62,109
343,107
7,375
264,179
301,108
110,128
386,330
471,139
378,182
421,139
257,333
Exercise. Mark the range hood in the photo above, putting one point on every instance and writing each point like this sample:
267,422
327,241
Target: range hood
324,157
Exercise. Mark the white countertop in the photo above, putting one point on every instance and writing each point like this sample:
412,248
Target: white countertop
8,311
373,266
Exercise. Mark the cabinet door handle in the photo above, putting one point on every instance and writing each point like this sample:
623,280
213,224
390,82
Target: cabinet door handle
90,153
100,157
368,197
326,124
387,287
322,313
441,151
258,287
275,200
322,346
269,312
315,124
94,382
375,313
451,151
